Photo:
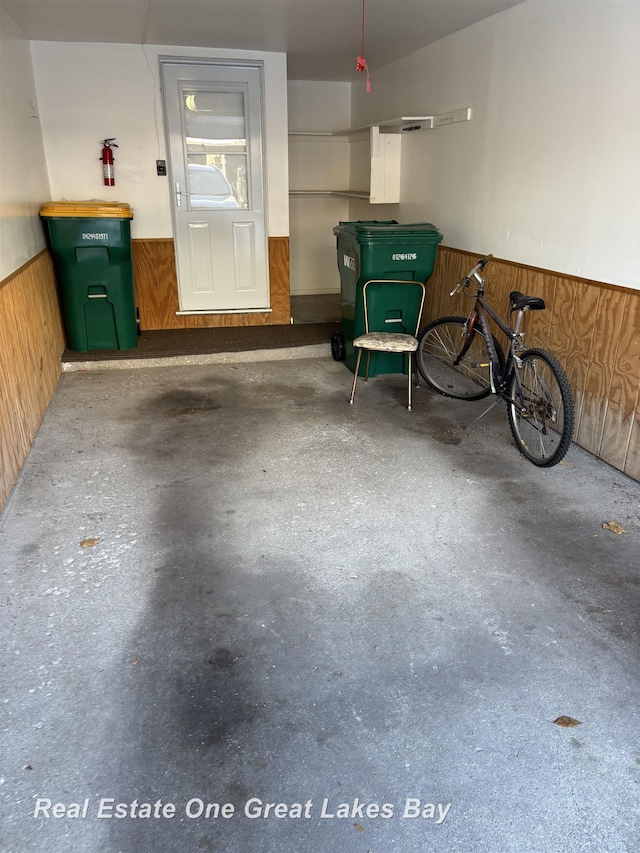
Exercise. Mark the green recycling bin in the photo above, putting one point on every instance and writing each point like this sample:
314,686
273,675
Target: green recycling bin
91,248
380,250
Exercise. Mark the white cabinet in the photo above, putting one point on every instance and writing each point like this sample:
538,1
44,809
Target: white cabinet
375,162
375,159
385,162
375,156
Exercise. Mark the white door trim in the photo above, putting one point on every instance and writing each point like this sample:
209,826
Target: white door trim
259,206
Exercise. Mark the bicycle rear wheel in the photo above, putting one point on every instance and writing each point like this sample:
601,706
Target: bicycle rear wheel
543,428
438,349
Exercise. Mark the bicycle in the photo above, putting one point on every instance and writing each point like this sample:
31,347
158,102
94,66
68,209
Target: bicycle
460,358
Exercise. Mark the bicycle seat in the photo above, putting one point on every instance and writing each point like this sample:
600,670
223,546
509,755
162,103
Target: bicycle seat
520,302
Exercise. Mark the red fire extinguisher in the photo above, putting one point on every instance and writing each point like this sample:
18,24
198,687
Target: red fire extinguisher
107,161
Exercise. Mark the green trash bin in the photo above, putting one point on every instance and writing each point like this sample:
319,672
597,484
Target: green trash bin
380,250
91,248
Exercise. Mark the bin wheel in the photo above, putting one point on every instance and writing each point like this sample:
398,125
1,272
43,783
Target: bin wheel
337,346
138,324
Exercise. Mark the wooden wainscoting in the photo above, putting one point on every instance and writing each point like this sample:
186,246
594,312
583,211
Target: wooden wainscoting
33,340
592,328
156,282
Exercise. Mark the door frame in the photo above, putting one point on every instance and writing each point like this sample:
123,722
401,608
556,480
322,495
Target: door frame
229,62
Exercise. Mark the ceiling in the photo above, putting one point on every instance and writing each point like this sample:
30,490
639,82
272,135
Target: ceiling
321,37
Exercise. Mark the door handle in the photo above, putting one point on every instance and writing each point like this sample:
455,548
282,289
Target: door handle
179,195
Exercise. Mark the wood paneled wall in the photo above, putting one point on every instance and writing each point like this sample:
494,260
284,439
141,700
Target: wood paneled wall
33,340
156,284
592,328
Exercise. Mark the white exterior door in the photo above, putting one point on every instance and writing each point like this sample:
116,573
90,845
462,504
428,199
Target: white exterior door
213,115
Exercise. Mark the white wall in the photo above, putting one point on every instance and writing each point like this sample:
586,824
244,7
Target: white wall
88,92
548,171
317,163
23,178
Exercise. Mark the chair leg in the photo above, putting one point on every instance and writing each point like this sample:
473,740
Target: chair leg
410,377
355,376
366,372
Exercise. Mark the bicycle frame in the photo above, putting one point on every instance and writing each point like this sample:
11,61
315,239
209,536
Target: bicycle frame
499,377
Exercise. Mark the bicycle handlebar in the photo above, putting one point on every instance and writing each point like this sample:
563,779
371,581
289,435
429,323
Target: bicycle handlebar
474,273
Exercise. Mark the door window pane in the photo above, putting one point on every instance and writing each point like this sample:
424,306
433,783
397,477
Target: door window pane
216,147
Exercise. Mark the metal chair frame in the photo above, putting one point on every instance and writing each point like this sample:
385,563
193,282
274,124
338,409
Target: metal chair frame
412,341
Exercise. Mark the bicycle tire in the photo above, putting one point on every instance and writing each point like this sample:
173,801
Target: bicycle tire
438,348
544,430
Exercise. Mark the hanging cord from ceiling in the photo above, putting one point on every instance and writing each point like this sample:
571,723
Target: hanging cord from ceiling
361,64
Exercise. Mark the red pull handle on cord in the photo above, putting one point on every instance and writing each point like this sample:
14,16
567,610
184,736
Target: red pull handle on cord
361,64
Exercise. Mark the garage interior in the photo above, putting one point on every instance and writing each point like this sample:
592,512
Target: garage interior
227,588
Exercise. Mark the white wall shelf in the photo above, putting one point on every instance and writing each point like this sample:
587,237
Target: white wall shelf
352,131
343,193
404,123
383,175
384,152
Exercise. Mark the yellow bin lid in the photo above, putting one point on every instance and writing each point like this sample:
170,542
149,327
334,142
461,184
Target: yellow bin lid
88,209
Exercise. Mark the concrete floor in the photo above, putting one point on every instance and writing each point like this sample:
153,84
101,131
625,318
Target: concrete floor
301,602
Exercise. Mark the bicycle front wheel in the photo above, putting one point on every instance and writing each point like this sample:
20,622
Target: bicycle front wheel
438,349
542,422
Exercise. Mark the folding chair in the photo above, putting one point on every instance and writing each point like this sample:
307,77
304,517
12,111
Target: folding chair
390,309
